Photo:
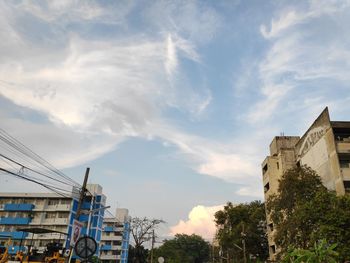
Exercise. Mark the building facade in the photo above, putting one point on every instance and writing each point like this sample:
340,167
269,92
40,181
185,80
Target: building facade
325,147
115,238
50,211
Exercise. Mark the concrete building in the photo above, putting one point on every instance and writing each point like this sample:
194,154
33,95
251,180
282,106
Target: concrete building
115,238
49,211
325,147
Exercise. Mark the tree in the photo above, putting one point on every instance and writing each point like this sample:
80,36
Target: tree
184,249
141,231
141,254
322,252
305,212
244,222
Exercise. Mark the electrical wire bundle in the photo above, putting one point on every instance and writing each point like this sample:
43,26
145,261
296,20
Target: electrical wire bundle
19,161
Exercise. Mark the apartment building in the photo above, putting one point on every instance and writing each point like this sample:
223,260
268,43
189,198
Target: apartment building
325,147
50,211
114,244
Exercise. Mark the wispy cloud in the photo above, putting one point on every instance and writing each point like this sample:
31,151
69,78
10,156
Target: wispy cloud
300,55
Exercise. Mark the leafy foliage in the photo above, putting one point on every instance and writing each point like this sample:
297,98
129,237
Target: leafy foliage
322,252
140,255
184,249
304,212
231,222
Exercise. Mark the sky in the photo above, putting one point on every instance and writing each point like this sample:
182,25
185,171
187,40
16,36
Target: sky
172,104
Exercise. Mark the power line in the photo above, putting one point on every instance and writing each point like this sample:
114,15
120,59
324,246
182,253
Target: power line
32,170
21,148
51,188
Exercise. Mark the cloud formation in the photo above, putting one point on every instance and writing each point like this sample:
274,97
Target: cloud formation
200,222
95,75
95,93
301,54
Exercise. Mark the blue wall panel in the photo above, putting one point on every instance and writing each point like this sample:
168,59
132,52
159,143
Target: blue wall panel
14,235
18,207
15,220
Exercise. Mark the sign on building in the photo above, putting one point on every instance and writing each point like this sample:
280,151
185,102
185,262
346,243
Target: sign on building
76,231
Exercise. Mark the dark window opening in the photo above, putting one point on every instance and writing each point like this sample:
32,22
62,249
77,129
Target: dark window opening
266,187
298,164
270,226
344,160
278,165
347,186
265,168
273,249
342,134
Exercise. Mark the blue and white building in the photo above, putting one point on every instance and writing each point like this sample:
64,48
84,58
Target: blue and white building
49,211
115,238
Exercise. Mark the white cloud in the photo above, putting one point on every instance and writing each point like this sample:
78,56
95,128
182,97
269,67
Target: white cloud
285,21
304,50
94,93
194,20
200,222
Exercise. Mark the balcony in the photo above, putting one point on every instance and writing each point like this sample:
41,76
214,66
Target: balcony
15,220
117,247
55,221
59,207
343,146
18,207
346,173
111,238
106,247
108,257
108,229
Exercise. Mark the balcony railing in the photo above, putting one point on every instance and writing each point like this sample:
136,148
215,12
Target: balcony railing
14,235
106,247
18,207
15,220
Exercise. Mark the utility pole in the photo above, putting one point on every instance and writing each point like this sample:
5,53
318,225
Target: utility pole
243,243
82,193
153,241
80,204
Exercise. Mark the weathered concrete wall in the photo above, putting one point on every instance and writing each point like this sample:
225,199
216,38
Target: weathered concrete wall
317,149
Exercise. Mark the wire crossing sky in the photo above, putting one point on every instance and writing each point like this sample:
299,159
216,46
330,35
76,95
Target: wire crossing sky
172,104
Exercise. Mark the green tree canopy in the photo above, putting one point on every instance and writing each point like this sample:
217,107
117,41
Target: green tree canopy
184,249
305,212
243,221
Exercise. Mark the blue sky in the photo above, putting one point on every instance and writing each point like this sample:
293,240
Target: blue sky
172,104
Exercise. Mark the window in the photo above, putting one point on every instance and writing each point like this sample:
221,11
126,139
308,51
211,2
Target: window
65,202
273,249
342,134
53,202
265,169
266,187
344,163
344,160
347,186
50,215
39,202
63,215
270,226
278,165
